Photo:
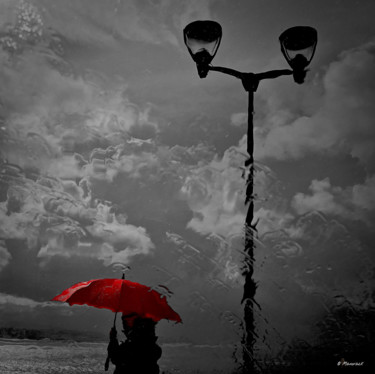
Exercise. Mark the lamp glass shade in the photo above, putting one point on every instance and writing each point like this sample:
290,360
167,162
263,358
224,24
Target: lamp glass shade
298,45
202,39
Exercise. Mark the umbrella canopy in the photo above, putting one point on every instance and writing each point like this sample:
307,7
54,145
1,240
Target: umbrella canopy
120,295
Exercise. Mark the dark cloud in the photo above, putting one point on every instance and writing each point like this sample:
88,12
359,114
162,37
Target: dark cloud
141,21
324,265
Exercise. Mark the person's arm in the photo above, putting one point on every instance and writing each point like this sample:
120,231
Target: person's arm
113,347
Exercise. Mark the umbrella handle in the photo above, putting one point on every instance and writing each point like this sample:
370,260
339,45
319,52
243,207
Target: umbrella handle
114,321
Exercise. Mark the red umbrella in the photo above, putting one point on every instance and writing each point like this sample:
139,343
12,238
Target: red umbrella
120,295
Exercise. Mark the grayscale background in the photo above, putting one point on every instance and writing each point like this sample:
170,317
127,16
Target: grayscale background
115,153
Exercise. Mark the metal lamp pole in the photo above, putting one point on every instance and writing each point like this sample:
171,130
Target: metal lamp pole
298,44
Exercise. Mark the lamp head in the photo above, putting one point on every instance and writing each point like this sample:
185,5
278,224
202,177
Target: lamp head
202,39
298,46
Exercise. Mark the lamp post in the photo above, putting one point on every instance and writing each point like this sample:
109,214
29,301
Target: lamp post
298,44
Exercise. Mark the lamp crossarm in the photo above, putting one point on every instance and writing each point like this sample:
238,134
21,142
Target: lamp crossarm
250,81
221,69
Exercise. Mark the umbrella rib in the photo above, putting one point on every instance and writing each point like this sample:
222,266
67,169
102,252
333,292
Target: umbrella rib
120,297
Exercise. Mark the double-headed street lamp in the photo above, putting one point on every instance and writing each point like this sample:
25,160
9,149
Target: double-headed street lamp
298,44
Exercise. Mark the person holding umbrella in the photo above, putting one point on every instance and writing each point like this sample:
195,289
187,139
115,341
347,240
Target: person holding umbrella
139,353
141,306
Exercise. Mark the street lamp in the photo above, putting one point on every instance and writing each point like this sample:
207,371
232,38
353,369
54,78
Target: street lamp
298,44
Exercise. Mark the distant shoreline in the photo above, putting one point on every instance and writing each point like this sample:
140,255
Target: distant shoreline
58,335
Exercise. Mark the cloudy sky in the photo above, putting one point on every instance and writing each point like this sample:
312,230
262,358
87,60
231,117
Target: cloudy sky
114,153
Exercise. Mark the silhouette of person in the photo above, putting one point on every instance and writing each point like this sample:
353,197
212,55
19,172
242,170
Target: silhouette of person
139,353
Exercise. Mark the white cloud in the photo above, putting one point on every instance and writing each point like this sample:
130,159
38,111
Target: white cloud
19,225
271,219
67,224
215,193
353,202
49,115
322,198
18,305
340,121
106,164
111,256
5,256
104,237
238,119
6,299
